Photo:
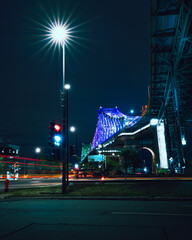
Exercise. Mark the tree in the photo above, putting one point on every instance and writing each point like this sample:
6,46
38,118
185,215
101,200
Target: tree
112,165
130,159
89,165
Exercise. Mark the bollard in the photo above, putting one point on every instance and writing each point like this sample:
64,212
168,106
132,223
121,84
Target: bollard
6,185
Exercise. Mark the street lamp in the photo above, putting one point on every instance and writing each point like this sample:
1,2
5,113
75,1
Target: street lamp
38,150
73,129
67,87
59,35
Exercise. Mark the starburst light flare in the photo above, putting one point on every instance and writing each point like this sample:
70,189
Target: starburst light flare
58,33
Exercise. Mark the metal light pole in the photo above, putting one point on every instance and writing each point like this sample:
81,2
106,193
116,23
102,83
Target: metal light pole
65,133
76,142
59,35
73,129
67,87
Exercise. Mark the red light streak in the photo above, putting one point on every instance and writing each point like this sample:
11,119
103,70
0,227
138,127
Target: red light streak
22,158
32,164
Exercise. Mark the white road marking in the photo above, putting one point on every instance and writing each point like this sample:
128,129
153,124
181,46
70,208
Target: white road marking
145,213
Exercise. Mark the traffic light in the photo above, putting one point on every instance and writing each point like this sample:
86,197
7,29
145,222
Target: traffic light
55,134
57,128
72,151
56,154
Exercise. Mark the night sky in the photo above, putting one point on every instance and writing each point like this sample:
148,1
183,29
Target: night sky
107,64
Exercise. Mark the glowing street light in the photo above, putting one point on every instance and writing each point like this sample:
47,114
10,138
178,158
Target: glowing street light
67,86
59,33
37,150
72,129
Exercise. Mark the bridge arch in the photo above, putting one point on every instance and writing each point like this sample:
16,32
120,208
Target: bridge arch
153,161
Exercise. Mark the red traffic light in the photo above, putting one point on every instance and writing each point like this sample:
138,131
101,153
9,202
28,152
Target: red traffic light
57,127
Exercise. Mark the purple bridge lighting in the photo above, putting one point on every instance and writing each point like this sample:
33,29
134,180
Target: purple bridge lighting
110,122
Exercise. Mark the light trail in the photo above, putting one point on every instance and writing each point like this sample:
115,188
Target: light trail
33,164
22,158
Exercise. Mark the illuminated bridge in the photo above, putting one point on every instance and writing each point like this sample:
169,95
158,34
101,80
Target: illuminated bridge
110,122
165,128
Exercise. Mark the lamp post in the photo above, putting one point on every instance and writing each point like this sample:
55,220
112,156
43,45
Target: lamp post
59,34
37,151
73,129
67,87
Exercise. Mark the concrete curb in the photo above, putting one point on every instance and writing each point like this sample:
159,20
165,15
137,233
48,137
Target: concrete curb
141,198
3,196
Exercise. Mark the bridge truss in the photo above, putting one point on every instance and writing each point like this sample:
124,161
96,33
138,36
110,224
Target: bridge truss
110,122
171,75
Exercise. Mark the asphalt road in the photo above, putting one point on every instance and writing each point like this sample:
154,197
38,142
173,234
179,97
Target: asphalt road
94,219
29,183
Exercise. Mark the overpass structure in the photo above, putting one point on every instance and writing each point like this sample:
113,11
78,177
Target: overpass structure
166,123
171,76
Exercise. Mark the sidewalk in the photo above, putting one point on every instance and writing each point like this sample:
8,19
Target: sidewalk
72,219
